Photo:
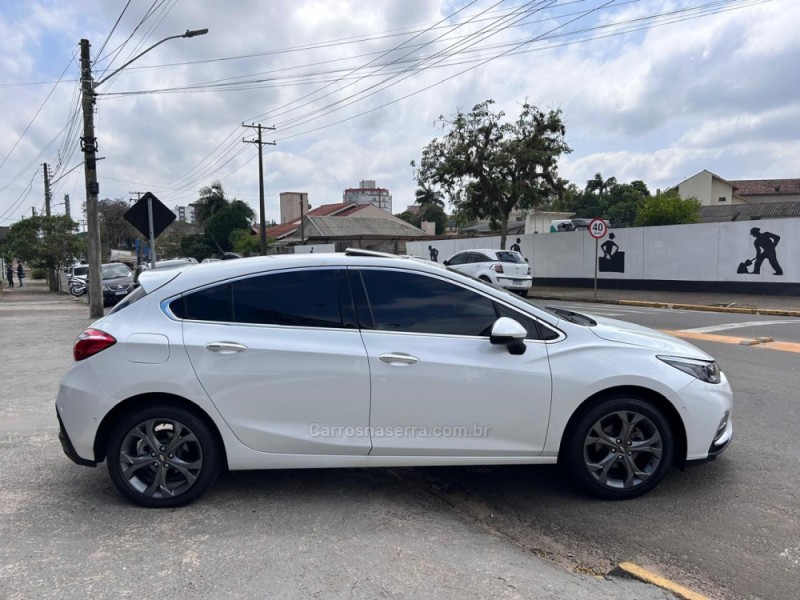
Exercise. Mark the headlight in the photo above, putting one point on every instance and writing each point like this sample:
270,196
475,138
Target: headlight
704,370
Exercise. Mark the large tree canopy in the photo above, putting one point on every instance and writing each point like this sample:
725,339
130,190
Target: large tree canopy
489,168
668,208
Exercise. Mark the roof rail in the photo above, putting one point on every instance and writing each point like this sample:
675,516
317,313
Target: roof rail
373,253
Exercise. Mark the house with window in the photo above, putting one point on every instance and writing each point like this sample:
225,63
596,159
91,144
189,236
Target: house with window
741,199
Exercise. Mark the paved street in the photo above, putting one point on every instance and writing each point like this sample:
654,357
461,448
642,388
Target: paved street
730,529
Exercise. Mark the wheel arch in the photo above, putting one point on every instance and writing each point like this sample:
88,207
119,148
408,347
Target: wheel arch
658,400
142,400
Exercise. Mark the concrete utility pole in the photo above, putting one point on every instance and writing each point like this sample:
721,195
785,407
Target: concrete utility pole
262,224
89,149
46,189
66,205
52,282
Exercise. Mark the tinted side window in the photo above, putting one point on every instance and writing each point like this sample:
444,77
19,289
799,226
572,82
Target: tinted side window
477,257
417,303
458,259
211,304
308,298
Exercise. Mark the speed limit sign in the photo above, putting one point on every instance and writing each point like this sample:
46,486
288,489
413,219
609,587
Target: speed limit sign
598,228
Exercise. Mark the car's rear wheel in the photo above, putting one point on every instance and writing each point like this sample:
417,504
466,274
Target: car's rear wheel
620,448
162,456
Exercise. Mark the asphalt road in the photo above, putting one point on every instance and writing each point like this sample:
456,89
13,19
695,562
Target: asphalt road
730,528
65,533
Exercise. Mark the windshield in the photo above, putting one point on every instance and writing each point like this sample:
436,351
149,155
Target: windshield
113,271
80,271
509,256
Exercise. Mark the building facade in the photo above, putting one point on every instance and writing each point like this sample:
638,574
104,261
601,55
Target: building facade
369,193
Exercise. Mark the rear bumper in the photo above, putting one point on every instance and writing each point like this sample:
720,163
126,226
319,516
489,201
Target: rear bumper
515,283
69,450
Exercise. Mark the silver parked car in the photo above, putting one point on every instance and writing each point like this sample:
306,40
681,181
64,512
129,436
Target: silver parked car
362,359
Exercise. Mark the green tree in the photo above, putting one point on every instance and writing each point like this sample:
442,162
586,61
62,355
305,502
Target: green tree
198,246
212,199
246,243
236,215
489,168
668,208
47,242
115,232
600,185
433,213
427,195
623,202
169,242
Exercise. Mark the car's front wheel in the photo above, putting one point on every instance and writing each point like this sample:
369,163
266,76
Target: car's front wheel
162,456
620,448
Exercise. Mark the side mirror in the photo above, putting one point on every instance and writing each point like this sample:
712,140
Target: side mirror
510,333
445,262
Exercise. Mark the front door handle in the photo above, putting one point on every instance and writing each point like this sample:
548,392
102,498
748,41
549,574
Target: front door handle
226,347
398,358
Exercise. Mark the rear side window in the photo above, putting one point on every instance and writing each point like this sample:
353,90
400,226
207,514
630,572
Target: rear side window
299,298
211,304
137,294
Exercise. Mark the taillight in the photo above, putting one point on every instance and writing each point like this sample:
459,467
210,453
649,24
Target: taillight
90,342
498,268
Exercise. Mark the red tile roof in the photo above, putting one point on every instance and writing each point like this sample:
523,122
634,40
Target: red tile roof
342,209
766,187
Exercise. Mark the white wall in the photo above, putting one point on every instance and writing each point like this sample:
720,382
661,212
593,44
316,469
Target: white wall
315,248
702,252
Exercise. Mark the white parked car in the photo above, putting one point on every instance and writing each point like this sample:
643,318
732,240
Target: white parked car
362,359
503,268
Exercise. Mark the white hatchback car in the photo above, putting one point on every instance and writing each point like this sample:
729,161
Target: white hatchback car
505,268
361,359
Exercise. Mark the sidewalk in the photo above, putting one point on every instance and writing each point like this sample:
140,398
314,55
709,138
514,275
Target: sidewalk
32,290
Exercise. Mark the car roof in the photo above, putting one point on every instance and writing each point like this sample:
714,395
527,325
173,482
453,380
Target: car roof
198,275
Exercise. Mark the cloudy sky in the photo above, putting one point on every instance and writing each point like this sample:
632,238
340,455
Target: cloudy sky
655,90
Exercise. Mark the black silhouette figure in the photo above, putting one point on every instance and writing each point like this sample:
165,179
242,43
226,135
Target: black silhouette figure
515,246
765,244
20,273
612,261
10,275
434,253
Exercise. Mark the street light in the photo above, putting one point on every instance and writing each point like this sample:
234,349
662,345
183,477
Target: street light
89,148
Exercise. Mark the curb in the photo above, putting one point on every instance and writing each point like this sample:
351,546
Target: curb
776,312
633,571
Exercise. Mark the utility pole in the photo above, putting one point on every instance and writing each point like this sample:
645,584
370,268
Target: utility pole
66,205
46,189
302,232
138,195
89,148
261,144
51,271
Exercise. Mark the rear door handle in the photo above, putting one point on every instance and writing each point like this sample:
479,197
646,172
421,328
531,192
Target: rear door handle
225,347
398,358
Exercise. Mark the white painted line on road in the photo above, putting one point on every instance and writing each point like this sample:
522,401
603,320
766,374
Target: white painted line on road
725,326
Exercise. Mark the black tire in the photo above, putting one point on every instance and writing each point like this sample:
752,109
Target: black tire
177,471
622,426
